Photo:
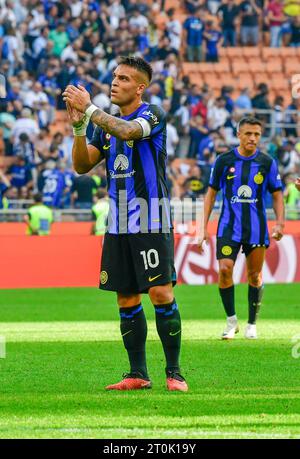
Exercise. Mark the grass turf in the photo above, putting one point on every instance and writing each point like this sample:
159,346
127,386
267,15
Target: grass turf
63,347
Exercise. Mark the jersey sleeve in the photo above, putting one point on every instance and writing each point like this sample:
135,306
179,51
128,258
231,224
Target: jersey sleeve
152,120
96,140
274,179
216,173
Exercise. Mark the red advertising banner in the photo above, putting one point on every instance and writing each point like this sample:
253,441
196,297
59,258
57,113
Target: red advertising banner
281,265
72,259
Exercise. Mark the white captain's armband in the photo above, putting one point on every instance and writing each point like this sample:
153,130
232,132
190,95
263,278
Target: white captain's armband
145,125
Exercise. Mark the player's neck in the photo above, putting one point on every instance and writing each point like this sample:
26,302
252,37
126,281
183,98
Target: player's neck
243,152
128,109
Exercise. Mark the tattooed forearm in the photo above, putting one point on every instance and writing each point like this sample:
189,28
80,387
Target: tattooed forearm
124,130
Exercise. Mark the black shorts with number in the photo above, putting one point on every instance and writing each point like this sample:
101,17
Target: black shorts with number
133,263
230,249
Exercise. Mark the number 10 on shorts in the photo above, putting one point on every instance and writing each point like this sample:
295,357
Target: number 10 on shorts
151,258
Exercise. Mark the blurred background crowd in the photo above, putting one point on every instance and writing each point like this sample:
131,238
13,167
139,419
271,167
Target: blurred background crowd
213,61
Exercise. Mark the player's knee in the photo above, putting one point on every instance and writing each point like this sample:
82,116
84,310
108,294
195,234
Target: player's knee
161,294
255,278
225,271
127,301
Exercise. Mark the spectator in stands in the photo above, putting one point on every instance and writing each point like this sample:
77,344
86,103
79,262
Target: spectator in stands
40,43
4,186
25,123
275,19
174,30
228,13
226,93
25,148
37,100
10,50
261,102
192,5
193,29
195,185
250,11
59,37
172,137
42,143
20,174
243,102
292,117
289,159
217,114
82,191
2,145
278,115
51,183
293,36
214,40
49,83
198,131
7,121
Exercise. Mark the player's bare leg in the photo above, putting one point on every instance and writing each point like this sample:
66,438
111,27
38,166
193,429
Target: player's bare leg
168,324
134,333
226,289
255,262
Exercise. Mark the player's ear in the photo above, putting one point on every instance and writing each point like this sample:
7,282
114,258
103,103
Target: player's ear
141,89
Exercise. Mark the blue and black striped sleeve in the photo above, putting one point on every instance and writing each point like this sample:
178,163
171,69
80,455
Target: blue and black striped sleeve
274,179
216,174
96,140
156,120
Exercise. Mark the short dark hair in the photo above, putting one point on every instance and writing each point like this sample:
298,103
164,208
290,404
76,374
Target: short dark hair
37,197
137,63
248,120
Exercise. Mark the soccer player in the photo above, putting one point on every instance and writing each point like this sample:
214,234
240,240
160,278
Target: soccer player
138,250
244,175
297,183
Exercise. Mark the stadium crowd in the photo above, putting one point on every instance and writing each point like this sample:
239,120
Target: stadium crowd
46,45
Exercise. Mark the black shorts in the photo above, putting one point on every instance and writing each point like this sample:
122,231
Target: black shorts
133,263
230,249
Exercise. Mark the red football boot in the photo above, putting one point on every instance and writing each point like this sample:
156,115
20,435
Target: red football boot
131,381
176,382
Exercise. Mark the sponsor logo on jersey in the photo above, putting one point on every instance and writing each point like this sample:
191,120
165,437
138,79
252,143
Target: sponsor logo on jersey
152,116
121,163
226,250
129,143
103,277
244,195
107,136
230,177
232,169
258,178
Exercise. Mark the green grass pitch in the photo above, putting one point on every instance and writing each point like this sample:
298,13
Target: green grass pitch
63,347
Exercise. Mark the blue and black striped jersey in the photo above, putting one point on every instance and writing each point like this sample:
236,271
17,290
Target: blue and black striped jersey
244,182
136,175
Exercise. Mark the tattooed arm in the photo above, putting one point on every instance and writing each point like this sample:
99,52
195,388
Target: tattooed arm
79,99
124,130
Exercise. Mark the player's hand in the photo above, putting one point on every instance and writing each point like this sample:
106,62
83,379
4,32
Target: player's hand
297,184
277,232
75,116
77,98
201,240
